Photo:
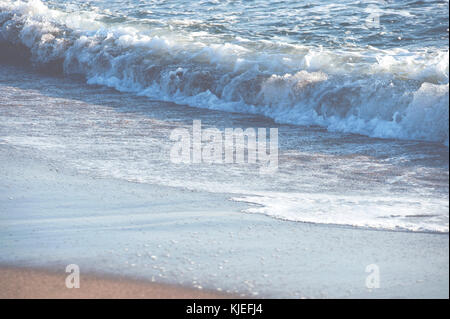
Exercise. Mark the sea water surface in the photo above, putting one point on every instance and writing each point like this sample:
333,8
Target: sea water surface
358,90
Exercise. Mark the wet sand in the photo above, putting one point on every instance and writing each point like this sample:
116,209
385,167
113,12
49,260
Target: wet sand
24,283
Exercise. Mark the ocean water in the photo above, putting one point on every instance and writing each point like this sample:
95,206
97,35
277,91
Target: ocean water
358,90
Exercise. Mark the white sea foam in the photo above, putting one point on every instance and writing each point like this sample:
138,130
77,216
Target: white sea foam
383,212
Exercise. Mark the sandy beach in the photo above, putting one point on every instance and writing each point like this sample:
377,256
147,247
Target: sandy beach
18,283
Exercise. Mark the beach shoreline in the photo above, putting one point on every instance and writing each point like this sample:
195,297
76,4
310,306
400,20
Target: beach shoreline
52,216
31,283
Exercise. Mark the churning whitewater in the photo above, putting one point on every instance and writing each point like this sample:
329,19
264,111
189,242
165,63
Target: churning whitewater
379,91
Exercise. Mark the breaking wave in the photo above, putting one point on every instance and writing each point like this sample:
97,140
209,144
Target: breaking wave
395,93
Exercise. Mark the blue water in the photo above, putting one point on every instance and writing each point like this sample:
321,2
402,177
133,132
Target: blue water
334,24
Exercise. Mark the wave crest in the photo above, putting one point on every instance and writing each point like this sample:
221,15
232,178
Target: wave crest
388,94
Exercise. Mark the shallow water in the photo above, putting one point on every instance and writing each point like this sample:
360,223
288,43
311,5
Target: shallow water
323,177
52,216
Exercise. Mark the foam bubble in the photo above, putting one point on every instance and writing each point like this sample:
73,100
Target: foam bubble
395,213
